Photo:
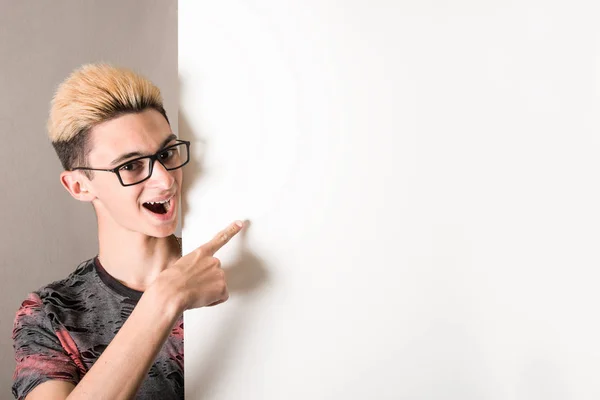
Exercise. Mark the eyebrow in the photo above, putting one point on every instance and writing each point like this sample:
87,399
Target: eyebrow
125,156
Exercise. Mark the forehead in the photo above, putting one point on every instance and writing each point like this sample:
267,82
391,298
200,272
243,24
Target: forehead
143,132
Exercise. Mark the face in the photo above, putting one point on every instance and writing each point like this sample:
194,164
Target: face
128,206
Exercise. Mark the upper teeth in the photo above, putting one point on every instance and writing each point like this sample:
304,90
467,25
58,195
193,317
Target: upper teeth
159,202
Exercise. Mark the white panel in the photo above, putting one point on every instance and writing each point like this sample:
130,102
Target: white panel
421,178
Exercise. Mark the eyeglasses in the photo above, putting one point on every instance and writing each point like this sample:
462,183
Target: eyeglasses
139,169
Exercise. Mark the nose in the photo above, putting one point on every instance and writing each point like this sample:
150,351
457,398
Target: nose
161,177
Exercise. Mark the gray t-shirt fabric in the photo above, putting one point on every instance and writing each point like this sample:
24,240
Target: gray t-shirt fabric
61,329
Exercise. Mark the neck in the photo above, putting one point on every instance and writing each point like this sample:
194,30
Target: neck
133,258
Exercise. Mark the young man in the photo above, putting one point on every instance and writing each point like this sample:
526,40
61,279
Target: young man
113,328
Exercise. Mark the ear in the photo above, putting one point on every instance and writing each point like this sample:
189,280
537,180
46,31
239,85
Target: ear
77,185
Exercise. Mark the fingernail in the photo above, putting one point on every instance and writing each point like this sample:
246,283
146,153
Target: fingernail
239,223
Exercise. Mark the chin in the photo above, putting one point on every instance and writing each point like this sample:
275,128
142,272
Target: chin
159,231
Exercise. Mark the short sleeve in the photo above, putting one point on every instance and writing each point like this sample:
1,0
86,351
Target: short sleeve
39,354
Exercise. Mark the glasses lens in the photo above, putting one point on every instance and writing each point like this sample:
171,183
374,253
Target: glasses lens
174,157
135,171
139,170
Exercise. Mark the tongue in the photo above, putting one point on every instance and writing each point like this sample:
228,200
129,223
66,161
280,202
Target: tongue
157,208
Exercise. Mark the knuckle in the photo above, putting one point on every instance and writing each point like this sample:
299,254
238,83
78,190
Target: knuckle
223,290
200,252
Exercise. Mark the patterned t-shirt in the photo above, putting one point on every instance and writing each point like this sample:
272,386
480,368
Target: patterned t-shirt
61,329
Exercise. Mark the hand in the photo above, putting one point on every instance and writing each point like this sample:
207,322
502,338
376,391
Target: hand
197,279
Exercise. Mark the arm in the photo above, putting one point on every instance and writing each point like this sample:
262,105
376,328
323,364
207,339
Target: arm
51,390
195,280
124,364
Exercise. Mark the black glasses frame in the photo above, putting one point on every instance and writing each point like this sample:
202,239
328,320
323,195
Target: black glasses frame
152,158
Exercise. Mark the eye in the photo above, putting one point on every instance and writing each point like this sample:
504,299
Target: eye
130,167
167,154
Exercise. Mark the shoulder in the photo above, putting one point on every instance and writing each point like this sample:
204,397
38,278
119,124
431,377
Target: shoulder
38,320
61,293
82,274
42,351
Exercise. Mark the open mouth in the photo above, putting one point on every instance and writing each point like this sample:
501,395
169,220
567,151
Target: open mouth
159,207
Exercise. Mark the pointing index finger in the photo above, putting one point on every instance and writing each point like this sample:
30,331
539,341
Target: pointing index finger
222,238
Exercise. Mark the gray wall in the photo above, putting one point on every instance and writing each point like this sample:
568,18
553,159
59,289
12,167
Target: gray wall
44,232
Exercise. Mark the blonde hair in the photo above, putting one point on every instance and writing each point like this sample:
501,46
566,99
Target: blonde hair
92,94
